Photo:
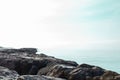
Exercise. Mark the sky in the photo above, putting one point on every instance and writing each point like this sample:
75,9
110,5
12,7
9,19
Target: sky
46,24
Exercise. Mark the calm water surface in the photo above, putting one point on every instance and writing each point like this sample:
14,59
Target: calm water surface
106,59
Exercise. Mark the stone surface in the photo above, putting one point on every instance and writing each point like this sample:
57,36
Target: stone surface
117,77
85,71
109,75
21,50
61,71
31,66
36,77
6,74
25,62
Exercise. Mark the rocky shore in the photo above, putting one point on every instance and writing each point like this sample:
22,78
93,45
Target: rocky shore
25,64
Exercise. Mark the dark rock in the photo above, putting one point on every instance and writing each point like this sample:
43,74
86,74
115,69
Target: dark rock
21,50
109,75
61,71
47,68
6,74
96,78
22,65
85,71
117,77
31,65
43,55
85,66
36,77
52,62
25,61
28,50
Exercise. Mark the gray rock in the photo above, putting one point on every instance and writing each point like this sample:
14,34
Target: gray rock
31,66
36,77
61,71
6,74
21,50
85,71
25,61
117,77
109,75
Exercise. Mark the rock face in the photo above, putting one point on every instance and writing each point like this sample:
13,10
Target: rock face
25,62
84,71
6,74
109,75
61,71
36,77
22,50
31,66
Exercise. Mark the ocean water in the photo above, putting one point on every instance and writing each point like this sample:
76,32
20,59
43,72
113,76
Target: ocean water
107,59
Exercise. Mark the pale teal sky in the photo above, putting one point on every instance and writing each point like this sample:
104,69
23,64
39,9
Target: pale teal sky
84,24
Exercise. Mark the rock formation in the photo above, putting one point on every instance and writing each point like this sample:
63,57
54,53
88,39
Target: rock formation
6,74
25,64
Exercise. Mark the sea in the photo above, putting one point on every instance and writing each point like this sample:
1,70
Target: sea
107,59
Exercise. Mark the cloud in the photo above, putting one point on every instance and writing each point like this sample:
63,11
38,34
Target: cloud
51,23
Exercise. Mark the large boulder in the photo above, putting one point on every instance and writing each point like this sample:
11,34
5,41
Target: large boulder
51,63
117,77
85,71
61,71
109,75
23,65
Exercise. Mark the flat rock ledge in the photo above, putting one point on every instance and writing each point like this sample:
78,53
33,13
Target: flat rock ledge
25,64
